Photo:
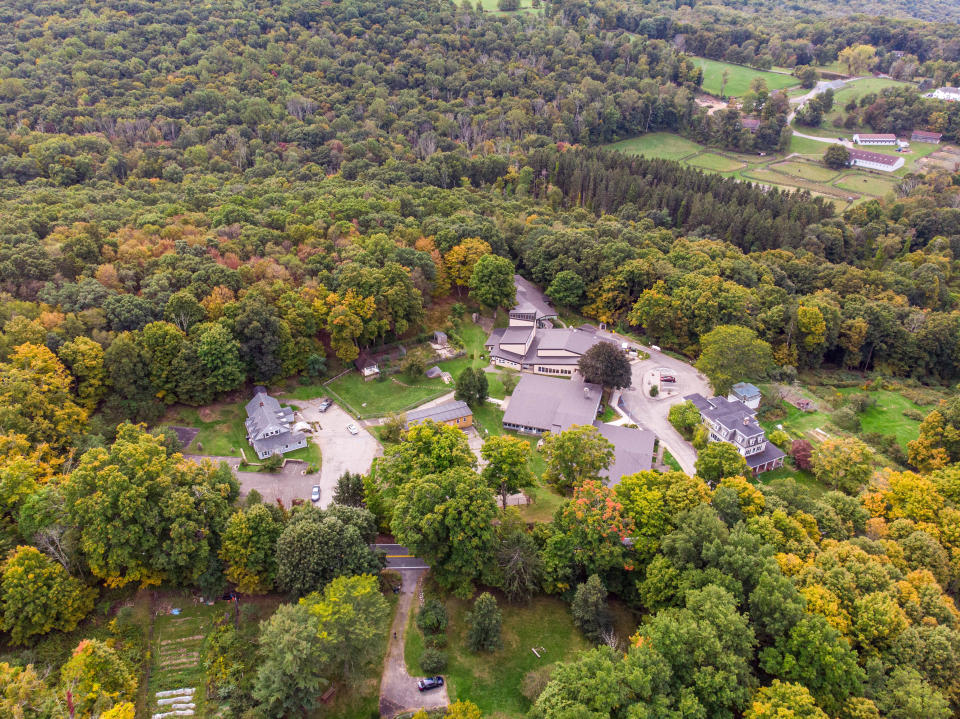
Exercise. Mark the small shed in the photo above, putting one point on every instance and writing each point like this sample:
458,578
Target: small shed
440,338
367,366
434,372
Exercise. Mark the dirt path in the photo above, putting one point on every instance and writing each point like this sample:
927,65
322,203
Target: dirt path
398,690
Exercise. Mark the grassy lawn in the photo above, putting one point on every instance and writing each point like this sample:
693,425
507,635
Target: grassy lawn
609,414
716,162
739,78
867,184
798,475
886,416
658,144
222,430
377,398
670,461
493,680
806,170
473,337
804,146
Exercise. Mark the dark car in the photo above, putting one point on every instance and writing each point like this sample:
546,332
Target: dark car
325,404
429,683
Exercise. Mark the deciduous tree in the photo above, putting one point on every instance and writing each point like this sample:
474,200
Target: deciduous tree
145,515
731,353
446,518
37,596
249,549
575,456
507,470
607,365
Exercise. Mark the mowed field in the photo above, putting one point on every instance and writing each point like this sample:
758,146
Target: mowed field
803,168
739,78
658,144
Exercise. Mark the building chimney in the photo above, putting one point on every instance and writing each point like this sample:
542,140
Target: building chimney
261,404
746,421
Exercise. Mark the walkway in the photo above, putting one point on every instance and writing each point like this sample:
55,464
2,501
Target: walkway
398,690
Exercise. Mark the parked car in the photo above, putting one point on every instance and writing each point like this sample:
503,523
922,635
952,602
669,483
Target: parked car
353,429
429,683
325,404
667,378
315,494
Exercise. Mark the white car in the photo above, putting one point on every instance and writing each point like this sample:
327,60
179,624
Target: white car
315,494
353,429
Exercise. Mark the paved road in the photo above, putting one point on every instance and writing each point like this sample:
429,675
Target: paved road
821,87
400,557
398,690
341,451
651,412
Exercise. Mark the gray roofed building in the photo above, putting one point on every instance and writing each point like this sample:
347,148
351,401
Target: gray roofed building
548,350
455,413
531,305
734,422
747,393
633,451
269,426
545,404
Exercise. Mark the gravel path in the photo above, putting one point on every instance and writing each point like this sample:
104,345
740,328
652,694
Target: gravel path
398,690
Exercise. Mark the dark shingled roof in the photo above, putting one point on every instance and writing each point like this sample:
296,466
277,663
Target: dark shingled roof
769,453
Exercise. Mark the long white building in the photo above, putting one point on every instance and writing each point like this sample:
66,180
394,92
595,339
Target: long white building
875,160
875,139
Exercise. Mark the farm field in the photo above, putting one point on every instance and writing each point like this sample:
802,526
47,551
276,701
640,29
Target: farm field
493,680
739,79
658,144
843,189
806,170
875,185
716,162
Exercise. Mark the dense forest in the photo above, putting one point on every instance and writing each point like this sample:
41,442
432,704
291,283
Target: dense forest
198,197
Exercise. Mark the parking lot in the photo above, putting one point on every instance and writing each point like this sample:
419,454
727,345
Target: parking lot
341,451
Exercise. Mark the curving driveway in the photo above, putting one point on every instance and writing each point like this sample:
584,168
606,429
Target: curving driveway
651,412
398,690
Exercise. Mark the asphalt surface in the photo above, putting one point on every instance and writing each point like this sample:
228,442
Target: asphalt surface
398,689
651,412
340,451
400,557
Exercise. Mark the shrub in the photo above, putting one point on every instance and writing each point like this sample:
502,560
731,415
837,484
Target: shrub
780,438
846,419
432,617
272,463
861,402
535,681
913,414
654,391
433,661
801,451
435,641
